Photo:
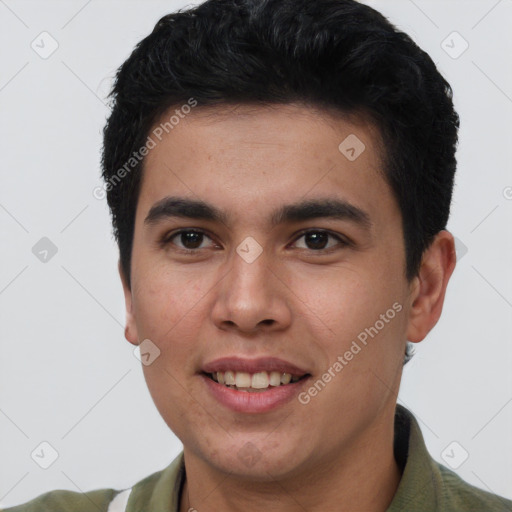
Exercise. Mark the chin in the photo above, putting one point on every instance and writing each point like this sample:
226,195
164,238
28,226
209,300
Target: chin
263,460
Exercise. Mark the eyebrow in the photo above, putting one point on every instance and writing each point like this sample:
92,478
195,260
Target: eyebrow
331,208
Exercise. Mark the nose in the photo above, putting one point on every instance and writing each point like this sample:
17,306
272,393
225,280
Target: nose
252,297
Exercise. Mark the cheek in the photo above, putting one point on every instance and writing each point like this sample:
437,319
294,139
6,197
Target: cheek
346,299
156,308
167,306
359,315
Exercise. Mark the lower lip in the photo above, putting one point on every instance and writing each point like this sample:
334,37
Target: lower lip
258,402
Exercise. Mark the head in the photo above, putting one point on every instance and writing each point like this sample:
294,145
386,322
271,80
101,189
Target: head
247,121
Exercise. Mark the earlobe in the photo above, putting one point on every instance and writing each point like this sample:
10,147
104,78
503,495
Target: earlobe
429,286
130,330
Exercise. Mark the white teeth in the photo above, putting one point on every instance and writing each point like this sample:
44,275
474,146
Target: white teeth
243,380
260,380
275,379
229,378
286,378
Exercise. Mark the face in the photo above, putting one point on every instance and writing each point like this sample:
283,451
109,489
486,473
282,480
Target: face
291,260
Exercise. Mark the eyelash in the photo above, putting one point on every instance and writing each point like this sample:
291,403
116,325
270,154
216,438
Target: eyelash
343,241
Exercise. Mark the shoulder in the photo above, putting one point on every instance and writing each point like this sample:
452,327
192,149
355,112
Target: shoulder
158,491
458,494
64,501
428,485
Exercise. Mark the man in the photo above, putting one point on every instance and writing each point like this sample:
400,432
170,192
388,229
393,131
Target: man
280,212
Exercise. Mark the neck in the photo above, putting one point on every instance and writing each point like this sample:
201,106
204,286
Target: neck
363,477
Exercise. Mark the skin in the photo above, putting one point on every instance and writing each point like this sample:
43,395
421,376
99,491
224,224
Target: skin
294,302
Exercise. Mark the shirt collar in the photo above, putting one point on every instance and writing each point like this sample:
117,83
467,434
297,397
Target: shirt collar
419,487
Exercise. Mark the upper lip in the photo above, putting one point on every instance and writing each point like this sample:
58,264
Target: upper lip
260,364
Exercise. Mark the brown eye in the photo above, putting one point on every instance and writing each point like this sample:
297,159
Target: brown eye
318,240
191,239
187,239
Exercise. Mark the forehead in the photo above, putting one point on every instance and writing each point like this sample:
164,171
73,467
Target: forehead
294,127
262,156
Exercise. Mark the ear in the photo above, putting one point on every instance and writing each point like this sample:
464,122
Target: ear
429,286
130,331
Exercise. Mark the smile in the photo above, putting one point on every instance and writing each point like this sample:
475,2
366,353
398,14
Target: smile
253,386
255,382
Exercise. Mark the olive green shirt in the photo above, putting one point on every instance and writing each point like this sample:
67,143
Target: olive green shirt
425,485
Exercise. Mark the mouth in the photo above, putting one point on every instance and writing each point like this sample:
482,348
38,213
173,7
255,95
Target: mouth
253,386
254,382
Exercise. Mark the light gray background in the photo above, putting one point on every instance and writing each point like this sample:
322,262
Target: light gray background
67,375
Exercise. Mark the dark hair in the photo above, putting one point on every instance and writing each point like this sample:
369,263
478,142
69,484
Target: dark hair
338,55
